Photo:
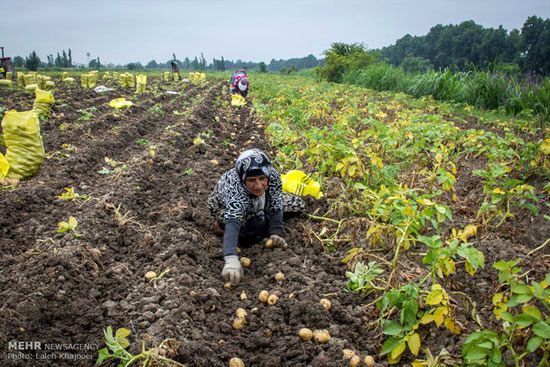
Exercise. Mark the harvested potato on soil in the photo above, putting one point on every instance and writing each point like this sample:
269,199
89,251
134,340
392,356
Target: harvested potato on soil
347,353
236,362
369,361
228,286
241,312
238,323
305,334
245,261
326,303
269,243
272,300
279,276
150,275
321,336
354,361
243,296
263,296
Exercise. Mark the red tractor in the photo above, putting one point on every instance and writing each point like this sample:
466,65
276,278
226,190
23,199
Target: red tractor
6,65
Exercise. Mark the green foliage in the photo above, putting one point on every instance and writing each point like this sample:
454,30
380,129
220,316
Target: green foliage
32,61
70,225
263,67
525,328
342,57
116,350
361,280
157,108
142,141
87,113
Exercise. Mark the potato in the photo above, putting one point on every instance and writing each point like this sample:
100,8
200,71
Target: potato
354,361
241,312
243,296
150,275
238,323
228,286
305,334
279,276
326,303
236,362
213,162
192,294
321,336
269,243
263,296
272,300
347,353
369,361
245,261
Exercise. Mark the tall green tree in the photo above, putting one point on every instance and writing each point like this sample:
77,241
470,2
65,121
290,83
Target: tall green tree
342,57
535,35
32,61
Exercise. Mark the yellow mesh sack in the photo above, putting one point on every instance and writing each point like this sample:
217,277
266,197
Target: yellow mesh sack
237,100
92,80
166,76
69,80
64,75
84,80
43,103
297,182
31,87
130,81
5,83
4,166
41,81
50,84
141,81
119,103
21,79
8,75
176,77
30,79
24,146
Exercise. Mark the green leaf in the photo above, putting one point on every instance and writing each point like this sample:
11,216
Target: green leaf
534,343
542,329
533,311
477,353
393,328
389,345
496,355
525,320
507,316
520,289
538,290
103,354
518,299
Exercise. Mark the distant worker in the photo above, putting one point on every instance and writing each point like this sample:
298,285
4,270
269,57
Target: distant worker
240,83
175,67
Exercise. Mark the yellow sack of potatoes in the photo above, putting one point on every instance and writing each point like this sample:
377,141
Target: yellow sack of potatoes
130,81
24,146
8,75
84,80
4,166
31,88
50,84
297,182
69,80
92,80
30,79
119,103
141,83
166,76
237,100
176,77
43,103
64,75
5,83
21,79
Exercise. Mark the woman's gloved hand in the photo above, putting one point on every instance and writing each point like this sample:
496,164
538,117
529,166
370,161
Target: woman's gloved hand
278,241
232,270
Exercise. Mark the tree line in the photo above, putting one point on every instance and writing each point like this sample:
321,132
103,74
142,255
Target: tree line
469,45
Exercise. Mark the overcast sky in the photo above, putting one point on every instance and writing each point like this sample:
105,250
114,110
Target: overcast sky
120,32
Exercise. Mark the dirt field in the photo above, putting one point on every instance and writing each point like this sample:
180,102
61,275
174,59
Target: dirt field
152,216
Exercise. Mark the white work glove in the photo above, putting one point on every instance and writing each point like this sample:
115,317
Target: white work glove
278,241
232,270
